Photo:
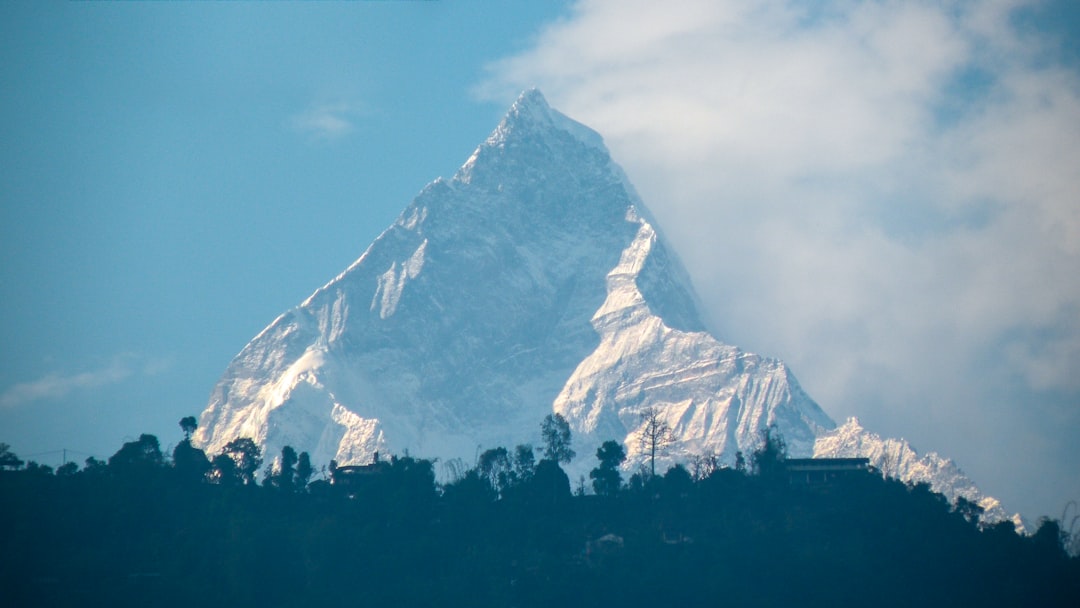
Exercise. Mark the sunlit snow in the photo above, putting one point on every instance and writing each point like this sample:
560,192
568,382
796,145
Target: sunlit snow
532,281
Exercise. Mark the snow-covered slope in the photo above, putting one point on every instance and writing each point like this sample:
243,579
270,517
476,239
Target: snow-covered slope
531,282
714,397
896,458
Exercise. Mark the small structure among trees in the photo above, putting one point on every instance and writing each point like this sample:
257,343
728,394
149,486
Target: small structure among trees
809,471
356,474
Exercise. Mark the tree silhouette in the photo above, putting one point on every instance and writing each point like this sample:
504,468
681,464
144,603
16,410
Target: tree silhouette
469,493
677,480
495,467
223,471
93,466
555,431
656,435
549,485
8,459
190,462
970,510
283,477
703,465
247,457
36,468
1049,538
188,424
138,456
304,471
411,483
740,461
725,536
768,459
606,477
524,463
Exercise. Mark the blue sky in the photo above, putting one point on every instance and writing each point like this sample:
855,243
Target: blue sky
177,175
884,194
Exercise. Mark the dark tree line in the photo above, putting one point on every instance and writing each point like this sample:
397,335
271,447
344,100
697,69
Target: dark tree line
146,528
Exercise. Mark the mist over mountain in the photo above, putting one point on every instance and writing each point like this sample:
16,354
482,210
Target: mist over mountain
533,281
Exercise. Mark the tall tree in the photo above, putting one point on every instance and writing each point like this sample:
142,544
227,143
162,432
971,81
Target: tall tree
283,476
495,467
524,463
555,431
768,459
304,471
606,478
656,435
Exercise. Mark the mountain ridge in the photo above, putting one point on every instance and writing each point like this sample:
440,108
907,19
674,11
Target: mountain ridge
896,458
531,282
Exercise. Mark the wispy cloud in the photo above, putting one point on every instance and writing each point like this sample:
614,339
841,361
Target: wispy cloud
882,193
57,385
326,120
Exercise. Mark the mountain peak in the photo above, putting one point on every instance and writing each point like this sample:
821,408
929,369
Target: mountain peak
530,112
536,144
531,116
530,100
530,283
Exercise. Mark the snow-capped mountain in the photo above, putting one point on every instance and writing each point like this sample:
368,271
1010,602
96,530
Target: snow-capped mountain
532,281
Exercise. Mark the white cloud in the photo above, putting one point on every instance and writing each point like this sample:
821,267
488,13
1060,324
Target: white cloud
882,193
326,120
56,385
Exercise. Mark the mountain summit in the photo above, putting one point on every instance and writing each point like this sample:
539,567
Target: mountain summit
531,282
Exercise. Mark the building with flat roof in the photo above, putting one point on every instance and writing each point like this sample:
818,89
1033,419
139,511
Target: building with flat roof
353,476
808,471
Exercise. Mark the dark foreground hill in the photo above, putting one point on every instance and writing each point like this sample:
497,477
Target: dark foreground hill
144,530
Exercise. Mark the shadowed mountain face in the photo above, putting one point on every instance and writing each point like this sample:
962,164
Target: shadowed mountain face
531,282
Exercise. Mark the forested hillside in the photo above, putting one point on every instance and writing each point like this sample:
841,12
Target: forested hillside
149,529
